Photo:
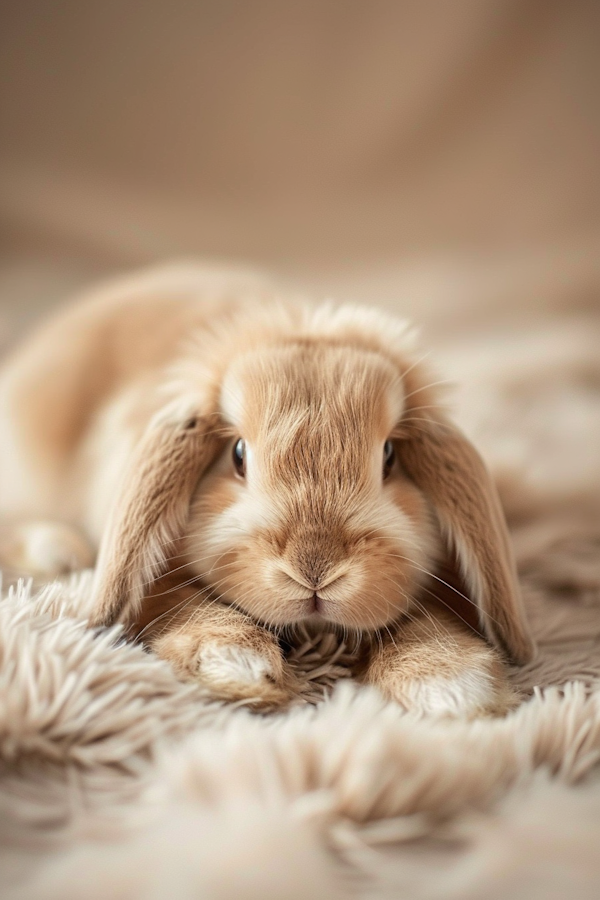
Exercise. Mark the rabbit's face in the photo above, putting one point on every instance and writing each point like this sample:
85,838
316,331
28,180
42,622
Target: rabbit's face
308,513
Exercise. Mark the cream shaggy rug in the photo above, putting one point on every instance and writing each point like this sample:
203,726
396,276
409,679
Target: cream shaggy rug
118,781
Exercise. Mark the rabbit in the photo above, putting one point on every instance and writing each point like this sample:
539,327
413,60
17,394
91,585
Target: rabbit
272,460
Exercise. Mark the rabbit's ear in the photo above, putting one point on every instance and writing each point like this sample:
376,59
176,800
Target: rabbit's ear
150,514
451,474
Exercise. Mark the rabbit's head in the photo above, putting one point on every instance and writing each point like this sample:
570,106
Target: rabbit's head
308,512
322,479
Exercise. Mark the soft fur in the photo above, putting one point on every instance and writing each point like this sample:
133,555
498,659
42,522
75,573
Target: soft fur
119,419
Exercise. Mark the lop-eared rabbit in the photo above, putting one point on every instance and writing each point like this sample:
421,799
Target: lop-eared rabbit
271,461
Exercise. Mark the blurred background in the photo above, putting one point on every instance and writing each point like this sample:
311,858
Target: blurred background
438,156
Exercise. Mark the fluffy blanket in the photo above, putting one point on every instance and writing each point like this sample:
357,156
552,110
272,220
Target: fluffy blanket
119,781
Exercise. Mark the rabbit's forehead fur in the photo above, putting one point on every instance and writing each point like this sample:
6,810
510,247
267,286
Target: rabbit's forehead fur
306,402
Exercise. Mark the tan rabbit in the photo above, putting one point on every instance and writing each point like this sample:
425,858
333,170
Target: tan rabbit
280,462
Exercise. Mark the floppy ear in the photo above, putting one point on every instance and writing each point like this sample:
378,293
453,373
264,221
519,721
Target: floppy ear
452,475
150,514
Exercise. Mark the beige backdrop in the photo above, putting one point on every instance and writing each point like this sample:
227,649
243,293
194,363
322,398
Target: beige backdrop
439,155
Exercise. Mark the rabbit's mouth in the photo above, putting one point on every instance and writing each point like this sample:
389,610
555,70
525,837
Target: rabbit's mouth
321,608
313,606
316,605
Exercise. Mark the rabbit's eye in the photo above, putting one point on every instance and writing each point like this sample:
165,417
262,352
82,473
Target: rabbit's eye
389,455
239,457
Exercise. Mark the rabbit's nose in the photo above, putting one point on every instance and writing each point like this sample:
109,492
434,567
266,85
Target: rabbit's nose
309,579
312,580
317,576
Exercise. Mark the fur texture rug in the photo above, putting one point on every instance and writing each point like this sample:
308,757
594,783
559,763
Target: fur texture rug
118,781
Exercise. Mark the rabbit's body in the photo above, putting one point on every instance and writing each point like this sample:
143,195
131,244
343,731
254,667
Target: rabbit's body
85,384
200,422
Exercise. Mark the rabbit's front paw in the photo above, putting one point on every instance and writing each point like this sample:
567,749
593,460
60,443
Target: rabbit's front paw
435,666
237,672
233,657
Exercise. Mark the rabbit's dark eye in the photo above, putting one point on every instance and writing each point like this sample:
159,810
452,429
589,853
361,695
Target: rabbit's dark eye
239,457
389,455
